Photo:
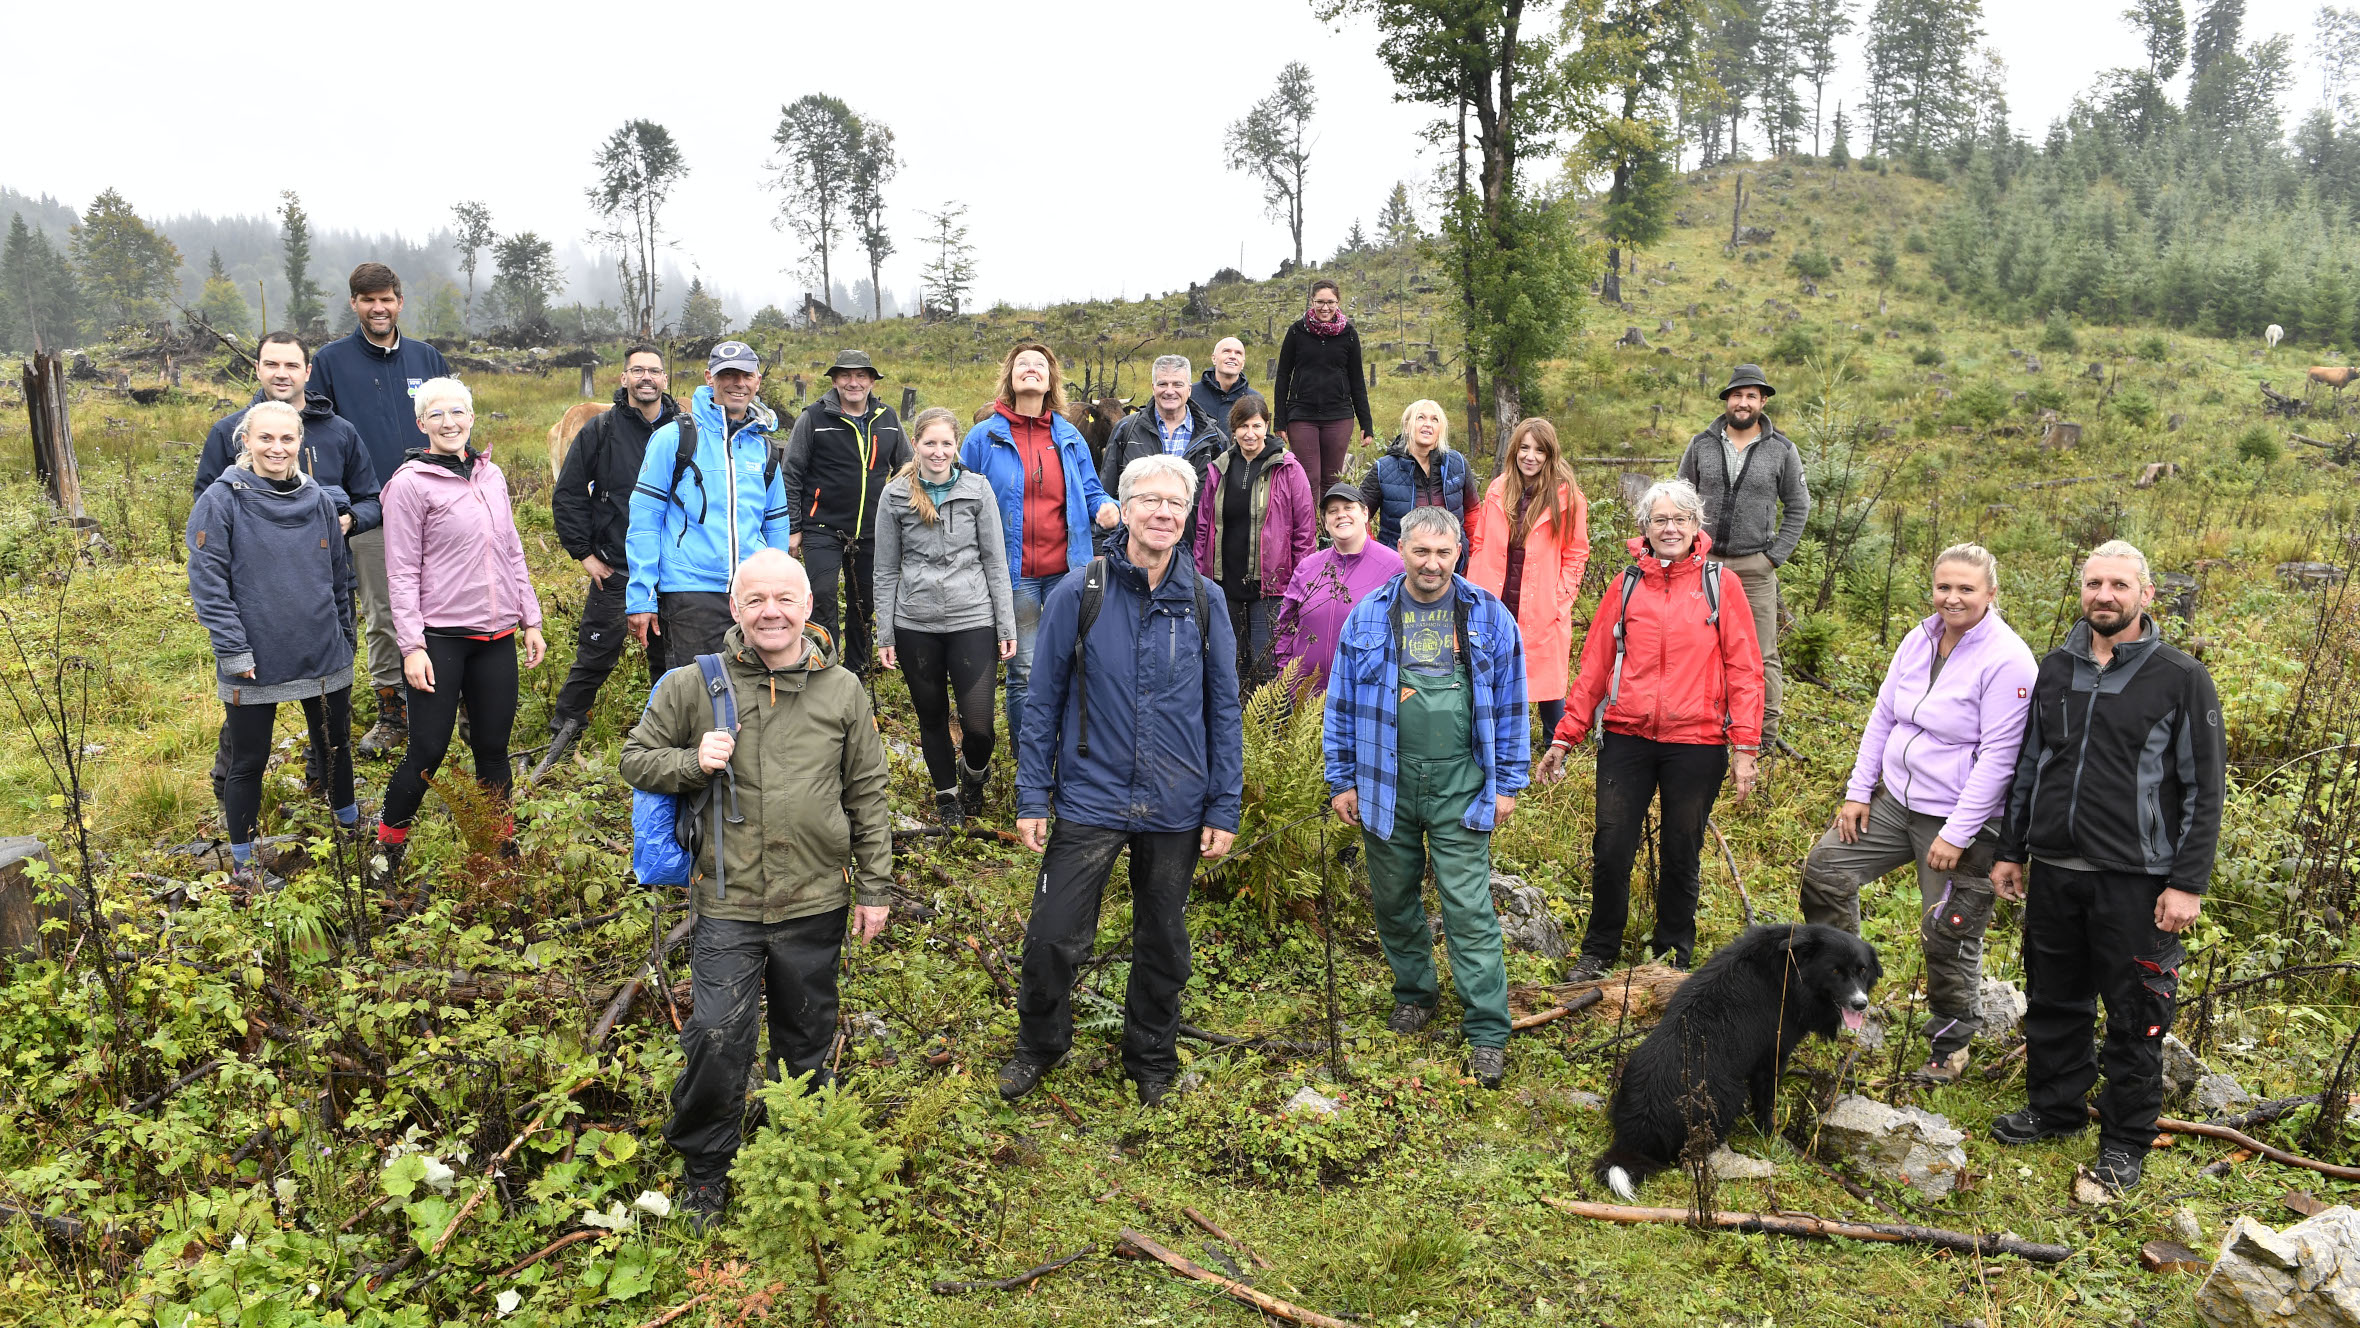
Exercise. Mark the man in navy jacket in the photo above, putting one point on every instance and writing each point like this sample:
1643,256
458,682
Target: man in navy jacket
369,378
333,453
1142,747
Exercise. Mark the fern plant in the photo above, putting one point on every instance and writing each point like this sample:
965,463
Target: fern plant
1285,796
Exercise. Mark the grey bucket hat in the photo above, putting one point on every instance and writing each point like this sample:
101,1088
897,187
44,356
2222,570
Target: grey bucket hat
1748,375
854,359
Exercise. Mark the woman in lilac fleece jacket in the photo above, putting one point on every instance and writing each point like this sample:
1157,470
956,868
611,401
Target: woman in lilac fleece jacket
1325,586
461,595
1932,776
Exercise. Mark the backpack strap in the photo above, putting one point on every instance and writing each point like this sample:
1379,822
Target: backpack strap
684,460
1628,583
1093,600
724,700
1712,596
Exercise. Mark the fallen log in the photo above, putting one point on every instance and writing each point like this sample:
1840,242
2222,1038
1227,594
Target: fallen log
571,1238
2265,1113
621,1004
1131,1245
1025,1278
1804,1224
1578,1003
1224,1237
2256,1146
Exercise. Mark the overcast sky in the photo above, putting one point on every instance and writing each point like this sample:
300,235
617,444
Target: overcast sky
1084,135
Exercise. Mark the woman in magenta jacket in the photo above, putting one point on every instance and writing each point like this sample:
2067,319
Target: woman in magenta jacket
1928,788
1255,524
461,594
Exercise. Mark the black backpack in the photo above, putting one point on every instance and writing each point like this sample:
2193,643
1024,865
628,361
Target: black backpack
684,460
1094,599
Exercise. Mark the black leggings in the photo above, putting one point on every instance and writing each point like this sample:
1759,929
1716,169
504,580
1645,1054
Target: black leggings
966,662
483,675
245,734
1631,774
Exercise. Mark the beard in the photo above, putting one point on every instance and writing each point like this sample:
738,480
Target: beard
2111,622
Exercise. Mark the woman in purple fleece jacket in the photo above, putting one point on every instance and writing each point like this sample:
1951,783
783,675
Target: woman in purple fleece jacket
1932,776
455,572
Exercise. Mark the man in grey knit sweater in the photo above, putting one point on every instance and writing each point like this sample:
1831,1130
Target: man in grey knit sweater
1755,504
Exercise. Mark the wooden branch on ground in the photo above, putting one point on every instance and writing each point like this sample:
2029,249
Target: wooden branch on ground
621,1004
677,1310
990,969
1187,1030
357,1218
1804,1224
493,1171
1856,1189
2265,1113
571,1238
1744,899
1225,1238
1065,1106
1550,1016
1131,1245
2260,1149
1025,1278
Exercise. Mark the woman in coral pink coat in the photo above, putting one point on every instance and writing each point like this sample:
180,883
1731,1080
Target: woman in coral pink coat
1528,543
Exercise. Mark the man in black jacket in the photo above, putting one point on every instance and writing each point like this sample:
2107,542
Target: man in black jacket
844,448
2117,804
591,506
1173,426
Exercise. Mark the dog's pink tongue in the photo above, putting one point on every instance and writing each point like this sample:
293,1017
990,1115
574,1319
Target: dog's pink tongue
1853,1019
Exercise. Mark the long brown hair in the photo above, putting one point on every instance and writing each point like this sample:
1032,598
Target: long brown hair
1005,393
920,502
1556,482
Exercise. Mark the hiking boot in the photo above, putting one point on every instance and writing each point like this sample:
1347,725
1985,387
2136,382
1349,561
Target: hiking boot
1489,1065
1152,1092
971,788
2118,1169
254,879
948,810
386,878
1945,1067
391,732
1019,1077
1408,1019
703,1206
1586,969
562,736
2029,1126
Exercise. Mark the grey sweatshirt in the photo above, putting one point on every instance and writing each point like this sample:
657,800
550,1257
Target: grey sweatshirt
1762,508
948,576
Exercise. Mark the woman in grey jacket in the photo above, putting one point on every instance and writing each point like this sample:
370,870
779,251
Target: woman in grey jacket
272,584
945,615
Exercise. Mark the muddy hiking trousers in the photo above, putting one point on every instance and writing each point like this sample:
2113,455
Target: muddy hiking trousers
733,966
1439,778
2091,935
1954,907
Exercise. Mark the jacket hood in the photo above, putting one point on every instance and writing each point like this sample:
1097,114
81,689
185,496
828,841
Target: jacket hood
834,405
819,652
1275,455
760,418
315,406
244,477
2077,641
1212,378
462,465
1644,554
666,409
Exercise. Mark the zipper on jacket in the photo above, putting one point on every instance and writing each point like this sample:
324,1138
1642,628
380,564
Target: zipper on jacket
2081,755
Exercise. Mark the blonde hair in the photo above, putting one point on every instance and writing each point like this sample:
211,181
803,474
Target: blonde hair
246,421
440,389
1441,440
1975,556
920,502
1005,393
2124,549
1558,489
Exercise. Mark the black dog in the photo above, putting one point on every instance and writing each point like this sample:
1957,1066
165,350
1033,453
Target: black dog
1725,1039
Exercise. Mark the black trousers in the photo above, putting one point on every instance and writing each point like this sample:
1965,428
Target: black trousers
732,965
2087,936
825,554
245,751
1064,923
689,623
479,674
1631,773
967,665
598,646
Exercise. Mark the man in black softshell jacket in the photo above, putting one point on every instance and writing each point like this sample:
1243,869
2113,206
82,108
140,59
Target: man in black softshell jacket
2117,805
591,507
844,447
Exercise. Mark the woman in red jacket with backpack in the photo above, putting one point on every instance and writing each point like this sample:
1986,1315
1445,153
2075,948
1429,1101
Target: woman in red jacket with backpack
1676,677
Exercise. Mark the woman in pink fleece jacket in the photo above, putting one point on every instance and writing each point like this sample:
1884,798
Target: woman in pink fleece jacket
455,572
1932,776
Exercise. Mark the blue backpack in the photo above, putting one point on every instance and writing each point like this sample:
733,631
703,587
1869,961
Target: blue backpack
667,829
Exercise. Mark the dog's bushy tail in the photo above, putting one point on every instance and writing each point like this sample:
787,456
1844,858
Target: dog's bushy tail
1623,1171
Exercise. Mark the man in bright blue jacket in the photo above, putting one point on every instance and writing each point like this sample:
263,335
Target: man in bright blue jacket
1040,472
694,519
1140,746
1426,752
369,378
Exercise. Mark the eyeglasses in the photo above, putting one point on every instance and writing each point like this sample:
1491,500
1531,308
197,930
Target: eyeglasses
449,413
1157,502
637,371
1673,522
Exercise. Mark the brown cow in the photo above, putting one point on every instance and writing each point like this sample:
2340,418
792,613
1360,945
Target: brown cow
2337,376
561,434
1096,419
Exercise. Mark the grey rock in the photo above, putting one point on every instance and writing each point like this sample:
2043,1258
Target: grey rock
1906,1144
2187,1228
2307,1276
2218,1094
1586,1100
2181,1067
1999,1004
1309,1101
1737,1166
1525,923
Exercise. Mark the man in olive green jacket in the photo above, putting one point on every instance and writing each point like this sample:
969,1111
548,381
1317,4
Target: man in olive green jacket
804,817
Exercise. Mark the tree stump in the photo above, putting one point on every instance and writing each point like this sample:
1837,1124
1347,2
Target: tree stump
1632,337
2062,436
21,910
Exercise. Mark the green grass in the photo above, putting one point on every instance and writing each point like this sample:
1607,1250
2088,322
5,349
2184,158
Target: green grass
1420,1200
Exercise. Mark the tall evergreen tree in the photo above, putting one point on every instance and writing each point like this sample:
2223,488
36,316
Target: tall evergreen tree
1397,222
2217,27
818,140
222,304
527,279
304,306
471,234
1813,28
950,274
127,268
701,314
1636,54
1922,90
40,302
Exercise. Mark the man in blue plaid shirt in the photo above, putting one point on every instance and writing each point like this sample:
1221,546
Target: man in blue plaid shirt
1426,752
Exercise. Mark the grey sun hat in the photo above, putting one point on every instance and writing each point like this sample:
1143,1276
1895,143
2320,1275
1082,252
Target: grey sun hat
733,355
1748,375
854,359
